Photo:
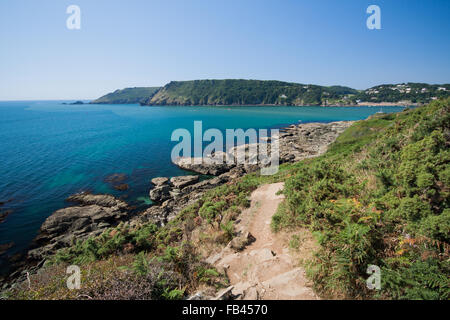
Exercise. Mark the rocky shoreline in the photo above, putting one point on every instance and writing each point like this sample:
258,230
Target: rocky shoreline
93,214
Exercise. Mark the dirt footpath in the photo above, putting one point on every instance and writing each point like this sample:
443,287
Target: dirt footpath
265,269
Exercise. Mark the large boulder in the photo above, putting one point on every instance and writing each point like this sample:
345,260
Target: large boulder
93,215
240,242
102,200
160,193
183,181
202,166
154,214
160,181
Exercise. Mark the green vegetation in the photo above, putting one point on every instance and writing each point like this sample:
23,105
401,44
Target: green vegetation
245,92
380,196
127,96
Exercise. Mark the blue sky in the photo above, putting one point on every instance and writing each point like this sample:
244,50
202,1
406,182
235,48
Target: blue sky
149,43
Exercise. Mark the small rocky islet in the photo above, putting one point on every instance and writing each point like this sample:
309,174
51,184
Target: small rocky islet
93,214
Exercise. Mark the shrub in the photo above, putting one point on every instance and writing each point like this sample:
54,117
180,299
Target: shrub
401,223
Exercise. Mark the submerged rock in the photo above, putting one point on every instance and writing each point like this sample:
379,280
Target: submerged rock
4,214
5,247
116,178
121,187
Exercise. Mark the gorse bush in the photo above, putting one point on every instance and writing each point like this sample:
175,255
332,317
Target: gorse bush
380,195
112,241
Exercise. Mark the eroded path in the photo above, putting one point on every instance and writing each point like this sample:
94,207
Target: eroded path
265,269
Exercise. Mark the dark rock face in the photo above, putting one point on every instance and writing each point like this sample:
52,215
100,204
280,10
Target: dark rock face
94,214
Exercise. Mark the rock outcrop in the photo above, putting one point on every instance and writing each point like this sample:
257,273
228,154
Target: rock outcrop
102,200
92,215
160,193
201,166
183,181
296,142
160,181
173,195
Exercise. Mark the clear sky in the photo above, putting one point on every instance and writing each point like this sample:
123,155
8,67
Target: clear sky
149,43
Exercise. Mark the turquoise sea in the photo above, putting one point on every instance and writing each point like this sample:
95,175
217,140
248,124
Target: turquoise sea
49,151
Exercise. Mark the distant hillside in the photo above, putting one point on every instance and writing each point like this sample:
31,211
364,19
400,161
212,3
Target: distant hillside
259,92
127,95
245,92
413,92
